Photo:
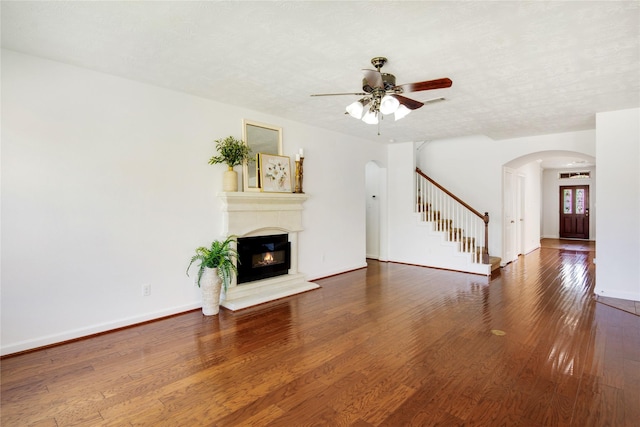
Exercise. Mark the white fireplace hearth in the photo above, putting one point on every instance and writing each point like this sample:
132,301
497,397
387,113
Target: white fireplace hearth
248,214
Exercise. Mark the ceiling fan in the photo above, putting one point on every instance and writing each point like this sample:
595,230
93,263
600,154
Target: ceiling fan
382,95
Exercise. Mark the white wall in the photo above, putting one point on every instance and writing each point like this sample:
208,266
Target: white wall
106,186
618,208
551,200
401,199
467,167
532,201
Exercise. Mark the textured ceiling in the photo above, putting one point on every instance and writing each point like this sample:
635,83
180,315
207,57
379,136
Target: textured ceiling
518,68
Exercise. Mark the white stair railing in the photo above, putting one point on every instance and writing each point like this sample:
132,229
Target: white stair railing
459,221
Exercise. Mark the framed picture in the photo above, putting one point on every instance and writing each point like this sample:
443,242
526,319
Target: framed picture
275,173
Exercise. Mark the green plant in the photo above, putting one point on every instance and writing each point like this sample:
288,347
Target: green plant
231,151
220,255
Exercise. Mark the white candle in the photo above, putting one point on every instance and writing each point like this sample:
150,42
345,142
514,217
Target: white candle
301,152
297,157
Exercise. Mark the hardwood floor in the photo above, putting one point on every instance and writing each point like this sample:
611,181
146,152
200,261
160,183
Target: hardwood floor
390,345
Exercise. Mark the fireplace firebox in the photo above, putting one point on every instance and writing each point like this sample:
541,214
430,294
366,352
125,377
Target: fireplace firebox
262,257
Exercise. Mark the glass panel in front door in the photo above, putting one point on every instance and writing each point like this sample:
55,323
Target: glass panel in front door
567,197
580,201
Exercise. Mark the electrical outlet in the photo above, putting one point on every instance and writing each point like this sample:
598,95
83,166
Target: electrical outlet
146,290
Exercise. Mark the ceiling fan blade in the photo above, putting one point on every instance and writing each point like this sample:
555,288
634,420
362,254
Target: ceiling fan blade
411,104
426,85
336,94
374,78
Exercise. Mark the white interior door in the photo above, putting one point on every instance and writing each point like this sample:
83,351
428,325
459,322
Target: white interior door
509,233
520,216
372,179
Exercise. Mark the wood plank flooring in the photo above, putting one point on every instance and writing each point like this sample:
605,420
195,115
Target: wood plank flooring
390,345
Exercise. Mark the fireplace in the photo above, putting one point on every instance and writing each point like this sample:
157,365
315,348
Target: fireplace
263,257
255,215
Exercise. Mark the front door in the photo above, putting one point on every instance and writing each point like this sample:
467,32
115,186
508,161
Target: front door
574,211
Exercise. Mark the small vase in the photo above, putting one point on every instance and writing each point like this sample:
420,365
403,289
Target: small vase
210,283
230,180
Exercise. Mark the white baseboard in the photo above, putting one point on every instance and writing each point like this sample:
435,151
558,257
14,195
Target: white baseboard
612,293
336,272
93,329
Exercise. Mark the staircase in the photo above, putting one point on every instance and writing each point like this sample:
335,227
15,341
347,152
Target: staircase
457,224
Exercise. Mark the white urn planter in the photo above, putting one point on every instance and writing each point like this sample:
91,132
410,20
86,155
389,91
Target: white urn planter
210,284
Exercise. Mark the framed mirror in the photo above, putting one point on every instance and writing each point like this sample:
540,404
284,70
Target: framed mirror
261,138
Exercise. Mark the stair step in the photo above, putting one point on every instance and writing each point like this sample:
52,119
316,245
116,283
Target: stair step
495,263
432,215
443,224
468,244
455,234
424,207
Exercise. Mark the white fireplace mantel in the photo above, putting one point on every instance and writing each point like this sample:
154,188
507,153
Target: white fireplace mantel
258,214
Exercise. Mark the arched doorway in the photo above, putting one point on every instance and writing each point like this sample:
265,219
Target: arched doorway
531,186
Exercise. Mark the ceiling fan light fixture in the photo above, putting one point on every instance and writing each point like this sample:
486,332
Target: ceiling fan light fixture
383,97
401,112
356,109
389,104
370,117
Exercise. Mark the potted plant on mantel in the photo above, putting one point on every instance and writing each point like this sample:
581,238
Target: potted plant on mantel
216,266
233,152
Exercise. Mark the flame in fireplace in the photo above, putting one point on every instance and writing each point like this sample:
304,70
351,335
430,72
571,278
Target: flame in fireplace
267,259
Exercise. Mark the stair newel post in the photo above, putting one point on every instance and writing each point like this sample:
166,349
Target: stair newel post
485,252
